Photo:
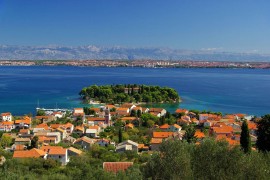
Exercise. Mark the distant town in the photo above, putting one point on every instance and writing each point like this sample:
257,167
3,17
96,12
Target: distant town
138,63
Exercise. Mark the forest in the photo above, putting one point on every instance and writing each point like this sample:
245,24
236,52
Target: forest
117,94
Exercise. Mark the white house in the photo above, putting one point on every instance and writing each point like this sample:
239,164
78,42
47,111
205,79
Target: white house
55,134
103,142
174,128
203,117
91,133
7,126
207,123
127,146
58,114
78,112
60,155
157,111
6,116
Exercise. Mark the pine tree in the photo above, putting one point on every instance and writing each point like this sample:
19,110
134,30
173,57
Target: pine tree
190,134
263,132
34,142
245,138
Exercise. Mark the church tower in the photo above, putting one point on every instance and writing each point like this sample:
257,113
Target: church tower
107,116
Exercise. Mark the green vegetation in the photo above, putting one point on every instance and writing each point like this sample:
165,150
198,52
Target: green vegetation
176,160
190,134
129,93
209,160
263,132
245,138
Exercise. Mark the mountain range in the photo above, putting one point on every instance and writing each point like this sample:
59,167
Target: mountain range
54,52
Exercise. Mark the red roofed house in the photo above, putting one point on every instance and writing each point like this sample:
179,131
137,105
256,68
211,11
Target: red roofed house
181,111
157,111
164,127
92,131
128,119
174,128
162,134
79,130
45,119
199,134
78,112
121,111
69,127
222,130
58,114
44,126
7,126
252,127
23,123
228,139
33,153
60,154
95,120
116,166
6,116
155,143
127,146
85,142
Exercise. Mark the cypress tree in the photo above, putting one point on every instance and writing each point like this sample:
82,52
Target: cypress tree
120,135
139,113
245,138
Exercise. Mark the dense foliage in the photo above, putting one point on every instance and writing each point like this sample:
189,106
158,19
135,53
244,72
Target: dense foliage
263,132
176,160
129,93
210,160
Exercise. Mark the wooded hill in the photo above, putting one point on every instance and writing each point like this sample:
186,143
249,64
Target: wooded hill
129,93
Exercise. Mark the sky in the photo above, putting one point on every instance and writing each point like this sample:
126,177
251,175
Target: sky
229,25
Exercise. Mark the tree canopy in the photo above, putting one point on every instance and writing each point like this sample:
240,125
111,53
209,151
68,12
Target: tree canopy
245,138
263,132
129,93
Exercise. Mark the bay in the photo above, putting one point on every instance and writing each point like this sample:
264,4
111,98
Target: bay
224,90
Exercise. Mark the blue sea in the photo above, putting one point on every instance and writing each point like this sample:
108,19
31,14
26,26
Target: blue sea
22,88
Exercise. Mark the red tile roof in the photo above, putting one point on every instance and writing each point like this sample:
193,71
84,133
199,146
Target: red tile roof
116,166
164,126
6,114
252,125
45,126
181,111
128,118
162,134
199,134
56,151
48,148
156,140
55,126
33,153
95,119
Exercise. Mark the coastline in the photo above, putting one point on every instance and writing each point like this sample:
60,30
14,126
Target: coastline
140,63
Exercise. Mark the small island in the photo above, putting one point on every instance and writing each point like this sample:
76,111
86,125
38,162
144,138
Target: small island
117,94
